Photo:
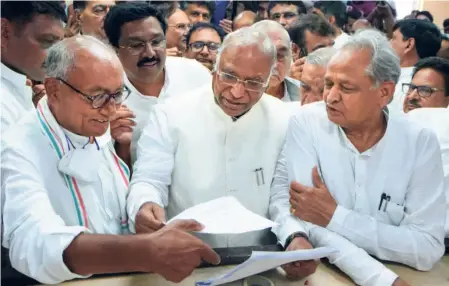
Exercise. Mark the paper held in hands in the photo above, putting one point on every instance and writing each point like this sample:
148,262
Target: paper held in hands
261,261
225,215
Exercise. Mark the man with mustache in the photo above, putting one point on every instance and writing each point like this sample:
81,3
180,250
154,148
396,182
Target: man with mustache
137,31
281,86
203,41
64,189
429,86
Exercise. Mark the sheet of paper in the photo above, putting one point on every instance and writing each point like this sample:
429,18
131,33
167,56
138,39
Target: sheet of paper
225,215
261,261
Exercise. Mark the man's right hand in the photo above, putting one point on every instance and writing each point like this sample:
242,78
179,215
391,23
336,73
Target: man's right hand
149,218
174,253
296,68
300,269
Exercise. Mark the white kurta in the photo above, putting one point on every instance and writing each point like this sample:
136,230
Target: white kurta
341,40
397,104
181,75
40,214
405,164
437,119
192,152
16,98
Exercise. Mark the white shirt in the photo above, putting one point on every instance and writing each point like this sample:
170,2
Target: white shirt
16,98
40,213
192,152
397,104
181,75
341,40
405,164
437,119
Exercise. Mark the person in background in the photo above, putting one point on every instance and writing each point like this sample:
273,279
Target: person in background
198,11
28,28
335,13
244,19
152,77
412,40
312,79
351,168
353,15
64,150
446,26
281,86
286,12
91,14
424,15
189,163
361,24
177,29
383,17
262,11
73,25
203,42
444,43
429,86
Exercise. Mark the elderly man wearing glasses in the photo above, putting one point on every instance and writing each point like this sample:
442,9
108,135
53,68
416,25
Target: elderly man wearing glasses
64,188
203,41
138,33
221,140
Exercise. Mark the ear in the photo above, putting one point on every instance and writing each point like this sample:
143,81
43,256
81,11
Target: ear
78,15
7,31
387,91
52,87
411,45
295,51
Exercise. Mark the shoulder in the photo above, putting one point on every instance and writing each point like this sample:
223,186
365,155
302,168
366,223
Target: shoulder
407,128
189,101
185,66
312,112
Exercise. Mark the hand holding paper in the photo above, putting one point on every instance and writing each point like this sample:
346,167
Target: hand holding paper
225,216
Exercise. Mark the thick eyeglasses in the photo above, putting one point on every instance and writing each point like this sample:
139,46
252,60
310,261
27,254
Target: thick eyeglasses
198,46
286,15
137,48
99,101
423,91
251,85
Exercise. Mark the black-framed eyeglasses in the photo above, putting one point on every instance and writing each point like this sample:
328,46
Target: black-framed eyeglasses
199,46
99,101
423,90
232,80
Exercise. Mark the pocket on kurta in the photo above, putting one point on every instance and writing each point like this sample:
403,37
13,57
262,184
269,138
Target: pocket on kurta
395,213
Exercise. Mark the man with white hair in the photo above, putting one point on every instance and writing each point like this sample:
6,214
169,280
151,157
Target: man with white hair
222,140
281,86
351,169
312,77
64,189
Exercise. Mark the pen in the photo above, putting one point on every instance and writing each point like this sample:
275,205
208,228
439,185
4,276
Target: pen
382,198
387,200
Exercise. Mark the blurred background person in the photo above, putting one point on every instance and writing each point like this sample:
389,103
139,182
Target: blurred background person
178,25
335,13
286,12
90,15
198,11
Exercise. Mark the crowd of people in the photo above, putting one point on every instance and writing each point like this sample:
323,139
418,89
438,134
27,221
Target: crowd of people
328,117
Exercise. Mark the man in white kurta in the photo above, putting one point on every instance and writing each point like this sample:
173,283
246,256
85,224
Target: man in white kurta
380,188
150,74
62,182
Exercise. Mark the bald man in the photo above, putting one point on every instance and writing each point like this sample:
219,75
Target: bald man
360,24
244,19
178,26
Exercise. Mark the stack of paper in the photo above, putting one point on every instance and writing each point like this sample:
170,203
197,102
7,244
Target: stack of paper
225,216
261,261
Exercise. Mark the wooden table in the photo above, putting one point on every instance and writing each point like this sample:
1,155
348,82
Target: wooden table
326,275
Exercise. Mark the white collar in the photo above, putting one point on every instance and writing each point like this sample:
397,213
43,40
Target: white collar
17,79
133,89
80,141
408,71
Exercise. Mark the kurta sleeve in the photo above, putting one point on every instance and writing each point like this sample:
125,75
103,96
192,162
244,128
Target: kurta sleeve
418,241
153,168
34,233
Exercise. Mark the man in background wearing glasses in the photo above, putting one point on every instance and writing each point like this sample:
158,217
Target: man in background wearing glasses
178,27
203,41
90,15
137,31
222,140
64,188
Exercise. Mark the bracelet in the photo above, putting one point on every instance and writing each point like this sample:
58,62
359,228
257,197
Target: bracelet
295,235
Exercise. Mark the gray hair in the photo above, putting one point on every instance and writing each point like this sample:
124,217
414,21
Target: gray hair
270,26
61,57
384,65
321,57
248,36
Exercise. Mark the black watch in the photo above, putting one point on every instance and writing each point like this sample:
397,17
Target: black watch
293,236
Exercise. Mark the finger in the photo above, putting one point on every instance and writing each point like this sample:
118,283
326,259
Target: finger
159,214
123,122
187,225
124,113
317,182
298,187
209,255
147,219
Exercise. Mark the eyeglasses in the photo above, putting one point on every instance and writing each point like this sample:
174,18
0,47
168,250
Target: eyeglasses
181,26
286,15
99,101
232,80
423,91
138,47
199,46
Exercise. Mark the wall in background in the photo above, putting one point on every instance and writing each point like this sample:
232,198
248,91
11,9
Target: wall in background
439,10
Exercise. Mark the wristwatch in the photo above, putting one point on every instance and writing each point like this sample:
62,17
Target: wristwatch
293,236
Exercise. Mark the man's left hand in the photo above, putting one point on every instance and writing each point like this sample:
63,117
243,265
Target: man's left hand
226,25
300,269
38,91
312,204
122,125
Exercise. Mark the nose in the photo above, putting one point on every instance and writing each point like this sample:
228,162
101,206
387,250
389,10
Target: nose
148,51
109,108
413,95
205,51
283,21
238,90
333,95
